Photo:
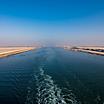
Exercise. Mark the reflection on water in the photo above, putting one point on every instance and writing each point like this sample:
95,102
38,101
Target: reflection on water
52,76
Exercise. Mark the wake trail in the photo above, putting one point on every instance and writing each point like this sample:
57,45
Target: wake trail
46,91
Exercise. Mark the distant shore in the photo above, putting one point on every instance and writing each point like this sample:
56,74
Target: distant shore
88,49
7,51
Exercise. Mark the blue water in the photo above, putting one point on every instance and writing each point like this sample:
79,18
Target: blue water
52,76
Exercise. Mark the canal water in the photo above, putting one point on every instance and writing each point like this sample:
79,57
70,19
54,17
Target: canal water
52,76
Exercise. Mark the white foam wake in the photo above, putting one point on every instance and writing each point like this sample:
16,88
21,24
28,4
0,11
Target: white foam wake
46,91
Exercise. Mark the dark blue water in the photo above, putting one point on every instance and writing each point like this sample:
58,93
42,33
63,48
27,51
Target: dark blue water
52,76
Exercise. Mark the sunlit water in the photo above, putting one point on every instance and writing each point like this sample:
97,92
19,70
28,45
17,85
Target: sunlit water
52,76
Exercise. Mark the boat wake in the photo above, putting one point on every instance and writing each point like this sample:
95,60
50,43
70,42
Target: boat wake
46,91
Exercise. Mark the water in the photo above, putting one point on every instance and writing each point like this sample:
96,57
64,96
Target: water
52,76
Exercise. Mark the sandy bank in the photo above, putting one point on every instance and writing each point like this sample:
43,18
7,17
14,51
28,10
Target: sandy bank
7,51
91,50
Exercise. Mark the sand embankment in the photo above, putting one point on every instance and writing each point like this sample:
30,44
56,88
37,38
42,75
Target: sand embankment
91,50
7,51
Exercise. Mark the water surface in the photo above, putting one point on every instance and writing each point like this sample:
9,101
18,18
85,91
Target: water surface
52,76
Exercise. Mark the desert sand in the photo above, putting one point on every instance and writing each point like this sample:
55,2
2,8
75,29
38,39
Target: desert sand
98,50
7,51
90,49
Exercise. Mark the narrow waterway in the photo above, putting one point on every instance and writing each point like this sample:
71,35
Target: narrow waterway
52,76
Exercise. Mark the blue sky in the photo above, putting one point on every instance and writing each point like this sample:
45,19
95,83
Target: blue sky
74,22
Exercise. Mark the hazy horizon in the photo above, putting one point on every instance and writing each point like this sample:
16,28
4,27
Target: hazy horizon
56,22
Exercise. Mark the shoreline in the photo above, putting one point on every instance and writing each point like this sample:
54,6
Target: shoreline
8,51
91,50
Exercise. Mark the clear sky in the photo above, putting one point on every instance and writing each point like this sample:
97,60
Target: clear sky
74,22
